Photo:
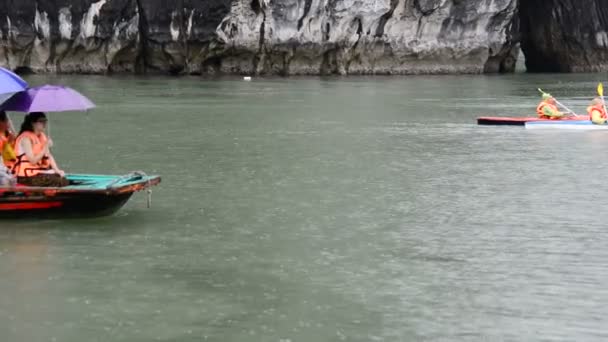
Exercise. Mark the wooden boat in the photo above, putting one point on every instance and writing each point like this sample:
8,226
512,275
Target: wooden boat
565,125
520,121
86,196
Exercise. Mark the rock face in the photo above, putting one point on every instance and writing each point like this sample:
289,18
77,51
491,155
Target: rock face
565,36
261,36
370,36
69,36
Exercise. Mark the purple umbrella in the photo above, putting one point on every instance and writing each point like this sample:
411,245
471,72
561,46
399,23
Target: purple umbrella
10,84
48,98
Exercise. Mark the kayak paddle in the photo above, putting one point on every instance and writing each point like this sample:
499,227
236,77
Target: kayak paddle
600,92
570,111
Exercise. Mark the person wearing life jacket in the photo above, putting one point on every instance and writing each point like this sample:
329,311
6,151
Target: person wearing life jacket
6,158
596,111
7,141
547,108
7,154
35,166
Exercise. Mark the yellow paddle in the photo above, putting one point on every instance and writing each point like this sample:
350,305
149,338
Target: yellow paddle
600,92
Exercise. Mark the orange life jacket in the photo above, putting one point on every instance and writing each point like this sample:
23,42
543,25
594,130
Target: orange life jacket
4,140
598,108
541,107
22,167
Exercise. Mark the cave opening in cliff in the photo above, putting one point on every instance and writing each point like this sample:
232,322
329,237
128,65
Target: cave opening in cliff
563,36
23,70
535,41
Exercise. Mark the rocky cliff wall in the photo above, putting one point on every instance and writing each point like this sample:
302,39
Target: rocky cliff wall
565,36
260,36
367,36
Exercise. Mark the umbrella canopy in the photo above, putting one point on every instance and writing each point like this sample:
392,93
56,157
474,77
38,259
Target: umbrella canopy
10,84
48,98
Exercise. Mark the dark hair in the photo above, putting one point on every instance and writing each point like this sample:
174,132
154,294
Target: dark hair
4,118
29,120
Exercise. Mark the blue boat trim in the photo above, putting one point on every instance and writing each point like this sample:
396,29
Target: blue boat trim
559,122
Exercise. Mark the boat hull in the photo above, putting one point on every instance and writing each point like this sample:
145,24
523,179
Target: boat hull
565,125
519,121
73,206
87,196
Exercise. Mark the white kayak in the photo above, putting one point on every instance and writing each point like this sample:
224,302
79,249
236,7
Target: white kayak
565,124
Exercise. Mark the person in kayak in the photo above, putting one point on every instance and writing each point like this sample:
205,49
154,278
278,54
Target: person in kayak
596,111
547,108
35,164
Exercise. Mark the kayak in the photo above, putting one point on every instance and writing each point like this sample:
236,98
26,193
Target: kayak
565,124
520,121
85,196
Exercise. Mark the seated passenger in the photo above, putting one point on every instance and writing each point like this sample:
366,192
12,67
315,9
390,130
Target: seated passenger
596,112
7,140
6,152
35,166
547,109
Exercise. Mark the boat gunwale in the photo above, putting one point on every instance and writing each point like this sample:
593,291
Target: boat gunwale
130,187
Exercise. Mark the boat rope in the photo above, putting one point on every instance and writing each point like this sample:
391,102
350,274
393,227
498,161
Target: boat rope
148,186
139,174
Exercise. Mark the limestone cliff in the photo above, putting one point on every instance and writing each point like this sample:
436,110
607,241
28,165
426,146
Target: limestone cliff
565,36
260,36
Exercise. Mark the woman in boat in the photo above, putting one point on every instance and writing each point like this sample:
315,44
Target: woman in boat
7,138
35,164
596,112
547,108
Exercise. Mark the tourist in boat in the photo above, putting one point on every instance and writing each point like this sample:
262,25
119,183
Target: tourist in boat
6,136
596,112
7,141
547,108
35,165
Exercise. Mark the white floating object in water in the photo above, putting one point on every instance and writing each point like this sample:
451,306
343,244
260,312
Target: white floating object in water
247,78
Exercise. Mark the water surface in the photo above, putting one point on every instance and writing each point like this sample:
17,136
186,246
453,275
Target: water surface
311,209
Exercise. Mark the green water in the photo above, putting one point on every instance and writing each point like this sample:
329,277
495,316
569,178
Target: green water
308,209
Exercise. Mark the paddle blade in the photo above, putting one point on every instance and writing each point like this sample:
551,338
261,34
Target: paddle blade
600,89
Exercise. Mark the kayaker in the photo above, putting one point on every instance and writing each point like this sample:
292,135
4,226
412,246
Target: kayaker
596,112
547,108
35,164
